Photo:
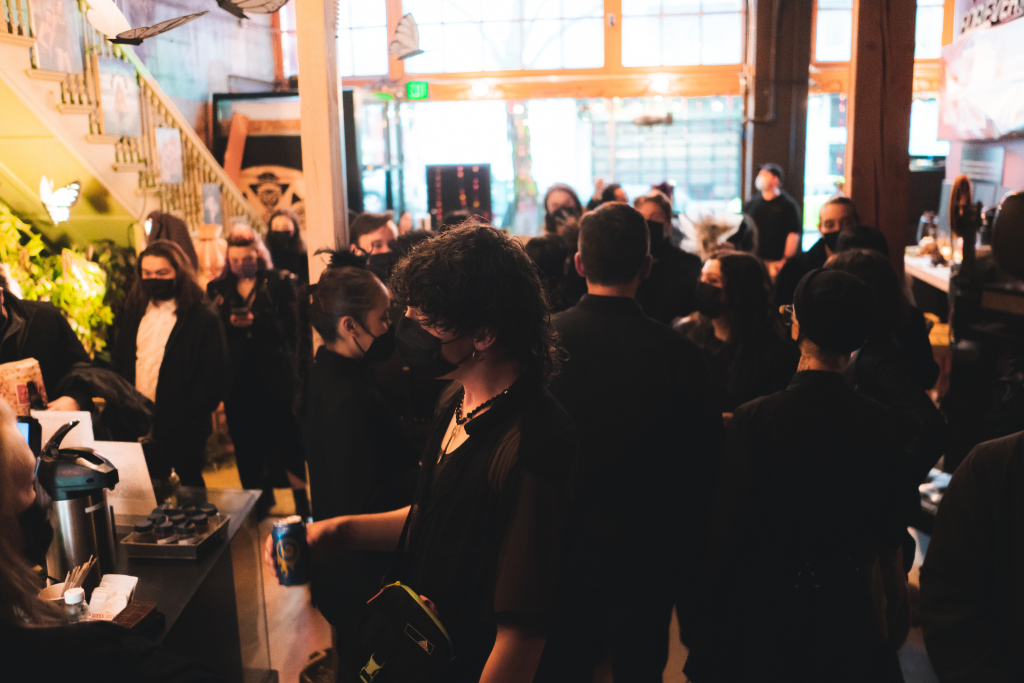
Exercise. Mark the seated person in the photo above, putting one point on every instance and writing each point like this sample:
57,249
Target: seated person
36,642
835,215
37,329
667,293
972,605
739,331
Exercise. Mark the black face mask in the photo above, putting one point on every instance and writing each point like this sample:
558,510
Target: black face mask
422,350
158,289
278,241
831,239
708,300
36,529
381,348
382,265
657,230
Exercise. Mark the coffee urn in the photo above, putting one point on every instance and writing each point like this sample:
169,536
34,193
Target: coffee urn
77,479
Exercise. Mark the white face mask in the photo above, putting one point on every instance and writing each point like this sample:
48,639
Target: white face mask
759,183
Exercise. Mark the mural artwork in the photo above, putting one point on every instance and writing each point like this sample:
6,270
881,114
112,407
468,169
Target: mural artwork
269,188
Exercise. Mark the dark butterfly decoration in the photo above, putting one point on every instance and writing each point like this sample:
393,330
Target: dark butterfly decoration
238,8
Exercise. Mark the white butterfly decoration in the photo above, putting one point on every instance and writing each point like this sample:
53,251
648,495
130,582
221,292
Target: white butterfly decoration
407,39
108,20
58,203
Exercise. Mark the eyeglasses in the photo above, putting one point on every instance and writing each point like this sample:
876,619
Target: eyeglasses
787,314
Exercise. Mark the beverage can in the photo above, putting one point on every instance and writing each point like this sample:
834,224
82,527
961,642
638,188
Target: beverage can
291,552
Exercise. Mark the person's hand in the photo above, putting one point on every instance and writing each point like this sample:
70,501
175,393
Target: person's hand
268,555
242,321
726,418
63,403
317,532
598,187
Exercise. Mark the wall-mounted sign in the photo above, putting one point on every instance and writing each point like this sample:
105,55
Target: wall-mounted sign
988,13
417,90
982,162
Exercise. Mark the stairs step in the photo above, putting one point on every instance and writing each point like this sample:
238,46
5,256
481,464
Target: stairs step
103,139
23,41
129,167
75,108
44,75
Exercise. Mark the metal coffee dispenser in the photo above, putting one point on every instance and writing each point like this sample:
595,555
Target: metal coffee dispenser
77,479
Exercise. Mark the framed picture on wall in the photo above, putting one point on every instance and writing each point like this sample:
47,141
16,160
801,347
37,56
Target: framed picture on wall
168,149
119,98
58,33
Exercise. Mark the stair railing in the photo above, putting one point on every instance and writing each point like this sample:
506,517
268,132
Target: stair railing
157,111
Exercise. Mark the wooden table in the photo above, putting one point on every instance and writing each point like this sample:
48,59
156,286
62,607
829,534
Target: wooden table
921,268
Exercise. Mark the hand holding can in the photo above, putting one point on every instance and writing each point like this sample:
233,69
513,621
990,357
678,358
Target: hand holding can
290,551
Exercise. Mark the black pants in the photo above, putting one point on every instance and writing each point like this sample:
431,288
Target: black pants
266,436
188,456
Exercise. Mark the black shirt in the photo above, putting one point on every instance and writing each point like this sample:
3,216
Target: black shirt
794,270
667,293
741,375
809,477
486,542
359,462
775,220
972,581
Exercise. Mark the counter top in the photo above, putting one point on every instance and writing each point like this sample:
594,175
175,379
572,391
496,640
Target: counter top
921,268
171,584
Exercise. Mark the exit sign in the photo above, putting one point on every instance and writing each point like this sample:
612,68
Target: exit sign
416,90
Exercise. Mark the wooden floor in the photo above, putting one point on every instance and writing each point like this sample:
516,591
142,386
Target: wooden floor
297,630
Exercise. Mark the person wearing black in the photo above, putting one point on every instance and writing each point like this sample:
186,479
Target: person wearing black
37,329
492,512
560,196
739,331
836,215
171,346
549,253
166,226
257,307
604,194
287,248
972,598
777,217
804,578
667,293
641,397
882,370
359,461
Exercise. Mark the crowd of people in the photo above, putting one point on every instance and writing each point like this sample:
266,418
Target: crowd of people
559,443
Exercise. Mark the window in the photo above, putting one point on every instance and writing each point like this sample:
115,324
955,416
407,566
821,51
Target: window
833,31
681,32
490,35
362,38
924,130
928,33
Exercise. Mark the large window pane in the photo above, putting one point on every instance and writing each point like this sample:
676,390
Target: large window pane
721,41
432,44
833,35
681,38
463,47
425,11
928,32
368,59
362,38
542,44
583,44
458,10
635,8
575,9
503,45
541,9
722,5
641,41
924,130
506,10
365,14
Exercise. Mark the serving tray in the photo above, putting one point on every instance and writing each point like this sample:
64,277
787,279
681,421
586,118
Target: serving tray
173,551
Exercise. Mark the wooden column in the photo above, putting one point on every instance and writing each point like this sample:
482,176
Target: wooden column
778,66
878,123
323,164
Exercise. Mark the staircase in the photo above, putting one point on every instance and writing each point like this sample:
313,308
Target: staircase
52,123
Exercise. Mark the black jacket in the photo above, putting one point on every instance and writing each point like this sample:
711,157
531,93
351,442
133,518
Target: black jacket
267,347
668,292
883,371
972,581
809,483
359,462
192,376
794,270
39,330
649,432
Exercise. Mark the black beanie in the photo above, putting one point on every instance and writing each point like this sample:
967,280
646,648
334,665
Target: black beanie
834,309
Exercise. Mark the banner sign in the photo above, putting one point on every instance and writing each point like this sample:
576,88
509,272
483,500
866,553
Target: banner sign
988,13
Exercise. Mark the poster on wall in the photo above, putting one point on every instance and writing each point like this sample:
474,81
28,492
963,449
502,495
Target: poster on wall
168,146
269,188
119,98
981,85
211,204
58,34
